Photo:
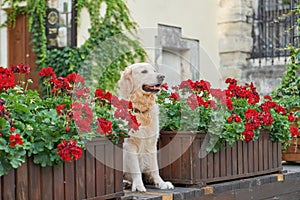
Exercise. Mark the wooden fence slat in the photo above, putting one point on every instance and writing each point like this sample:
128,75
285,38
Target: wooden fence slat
260,154
270,155
109,171
34,180
47,183
167,153
80,177
216,168
223,165
229,158
58,182
255,156
196,173
175,166
22,182
90,174
234,160
69,181
118,155
186,158
265,152
210,168
9,185
240,156
251,153
245,157
204,168
100,171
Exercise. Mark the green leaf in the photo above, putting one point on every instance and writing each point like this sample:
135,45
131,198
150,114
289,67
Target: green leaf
5,166
43,159
21,108
2,123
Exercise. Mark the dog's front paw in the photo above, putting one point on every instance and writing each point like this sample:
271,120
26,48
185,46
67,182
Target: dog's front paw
165,185
139,187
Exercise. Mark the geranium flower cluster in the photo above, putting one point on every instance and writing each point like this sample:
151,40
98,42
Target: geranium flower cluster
69,151
121,108
239,105
95,114
199,93
7,78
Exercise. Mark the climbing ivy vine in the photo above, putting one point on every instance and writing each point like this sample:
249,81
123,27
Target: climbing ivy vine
110,47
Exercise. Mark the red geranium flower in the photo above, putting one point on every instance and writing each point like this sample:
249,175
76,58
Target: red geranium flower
75,78
62,84
104,126
99,94
175,96
268,97
69,151
46,72
82,114
280,109
67,128
20,68
164,86
7,79
291,117
294,131
12,129
201,85
15,139
187,84
249,135
60,108
192,101
234,118
132,122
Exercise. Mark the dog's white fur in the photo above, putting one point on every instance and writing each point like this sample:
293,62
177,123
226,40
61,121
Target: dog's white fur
140,149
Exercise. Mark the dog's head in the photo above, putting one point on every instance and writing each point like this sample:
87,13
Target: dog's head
141,77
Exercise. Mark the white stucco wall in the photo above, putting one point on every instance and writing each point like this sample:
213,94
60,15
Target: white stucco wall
197,18
3,39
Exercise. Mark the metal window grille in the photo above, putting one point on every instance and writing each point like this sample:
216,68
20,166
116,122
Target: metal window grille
274,28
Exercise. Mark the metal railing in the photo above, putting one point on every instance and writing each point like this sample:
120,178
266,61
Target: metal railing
274,28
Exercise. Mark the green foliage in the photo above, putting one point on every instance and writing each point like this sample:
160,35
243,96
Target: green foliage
107,51
288,92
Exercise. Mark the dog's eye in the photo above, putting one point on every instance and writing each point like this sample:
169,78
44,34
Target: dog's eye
144,71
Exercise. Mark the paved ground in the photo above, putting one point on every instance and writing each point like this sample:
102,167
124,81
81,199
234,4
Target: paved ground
283,186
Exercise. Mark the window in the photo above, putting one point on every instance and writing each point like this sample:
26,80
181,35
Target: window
274,28
60,24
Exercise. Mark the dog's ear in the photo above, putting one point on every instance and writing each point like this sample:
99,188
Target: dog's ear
125,84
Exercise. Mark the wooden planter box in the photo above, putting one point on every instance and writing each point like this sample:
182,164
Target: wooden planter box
242,160
292,153
87,178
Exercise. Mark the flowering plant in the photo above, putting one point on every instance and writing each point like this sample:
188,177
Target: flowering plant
229,115
55,128
288,92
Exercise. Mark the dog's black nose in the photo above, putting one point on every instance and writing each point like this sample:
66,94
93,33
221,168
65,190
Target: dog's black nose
160,77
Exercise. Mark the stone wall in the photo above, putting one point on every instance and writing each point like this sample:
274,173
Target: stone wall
266,78
235,45
235,41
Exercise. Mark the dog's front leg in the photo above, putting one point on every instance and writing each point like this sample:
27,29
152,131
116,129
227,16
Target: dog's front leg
132,168
154,173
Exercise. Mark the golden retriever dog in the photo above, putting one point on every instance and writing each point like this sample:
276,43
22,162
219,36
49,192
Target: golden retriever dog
139,83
